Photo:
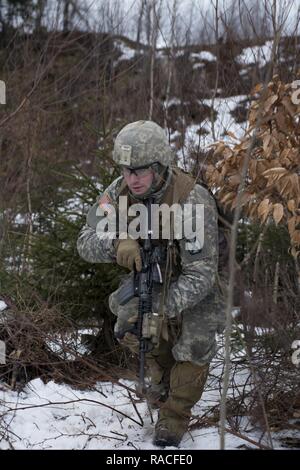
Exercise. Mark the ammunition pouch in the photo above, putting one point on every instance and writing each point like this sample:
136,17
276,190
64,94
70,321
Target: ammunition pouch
152,325
151,331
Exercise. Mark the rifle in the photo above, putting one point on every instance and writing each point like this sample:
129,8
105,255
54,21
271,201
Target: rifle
141,286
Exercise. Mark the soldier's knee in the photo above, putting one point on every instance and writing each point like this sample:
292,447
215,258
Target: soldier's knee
199,349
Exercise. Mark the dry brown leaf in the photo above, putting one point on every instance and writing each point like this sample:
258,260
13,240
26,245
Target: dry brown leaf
246,196
284,182
293,188
294,156
294,252
291,206
209,170
281,120
275,171
266,142
278,213
295,237
220,148
227,197
264,207
227,153
252,117
269,102
289,106
262,165
273,166
252,211
234,180
232,135
257,89
292,224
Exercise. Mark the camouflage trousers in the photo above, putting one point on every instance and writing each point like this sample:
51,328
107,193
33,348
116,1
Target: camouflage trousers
194,333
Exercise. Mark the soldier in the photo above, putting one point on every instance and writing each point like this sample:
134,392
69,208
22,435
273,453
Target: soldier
189,299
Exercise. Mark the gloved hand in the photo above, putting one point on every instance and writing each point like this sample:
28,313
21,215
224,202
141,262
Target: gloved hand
128,254
152,325
130,340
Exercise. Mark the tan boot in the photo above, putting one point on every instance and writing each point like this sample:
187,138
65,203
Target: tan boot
187,382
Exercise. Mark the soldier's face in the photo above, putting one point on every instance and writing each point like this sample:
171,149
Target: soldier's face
139,181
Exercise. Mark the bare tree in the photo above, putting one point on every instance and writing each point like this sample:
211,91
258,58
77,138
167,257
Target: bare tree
171,60
155,15
141,12
67,4
40,12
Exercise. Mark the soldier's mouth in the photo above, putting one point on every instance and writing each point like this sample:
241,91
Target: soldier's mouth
137,189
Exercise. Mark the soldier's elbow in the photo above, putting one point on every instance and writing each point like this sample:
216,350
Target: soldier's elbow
82,250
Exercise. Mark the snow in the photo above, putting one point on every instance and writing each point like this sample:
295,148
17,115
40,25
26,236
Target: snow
180,52
203,55
161,54
198,65
260,55
20,219
57,416
68,345
223,123
127,53
173,101
3,305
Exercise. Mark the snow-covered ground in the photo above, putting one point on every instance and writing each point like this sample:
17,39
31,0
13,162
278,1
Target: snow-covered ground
53,416
57,416
223,124
203,55
260,55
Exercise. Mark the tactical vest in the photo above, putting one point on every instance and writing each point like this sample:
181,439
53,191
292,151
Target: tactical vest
178,190
180,186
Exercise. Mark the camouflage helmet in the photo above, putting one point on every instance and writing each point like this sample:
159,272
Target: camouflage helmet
142,143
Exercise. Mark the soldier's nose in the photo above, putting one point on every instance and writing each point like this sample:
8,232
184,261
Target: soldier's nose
133,178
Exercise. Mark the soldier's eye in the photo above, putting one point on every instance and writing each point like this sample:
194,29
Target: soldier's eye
137,171
143,171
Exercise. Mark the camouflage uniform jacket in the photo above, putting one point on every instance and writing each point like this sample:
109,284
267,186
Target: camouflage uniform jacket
197,280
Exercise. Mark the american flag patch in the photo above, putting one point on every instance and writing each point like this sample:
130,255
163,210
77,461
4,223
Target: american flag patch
105,203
